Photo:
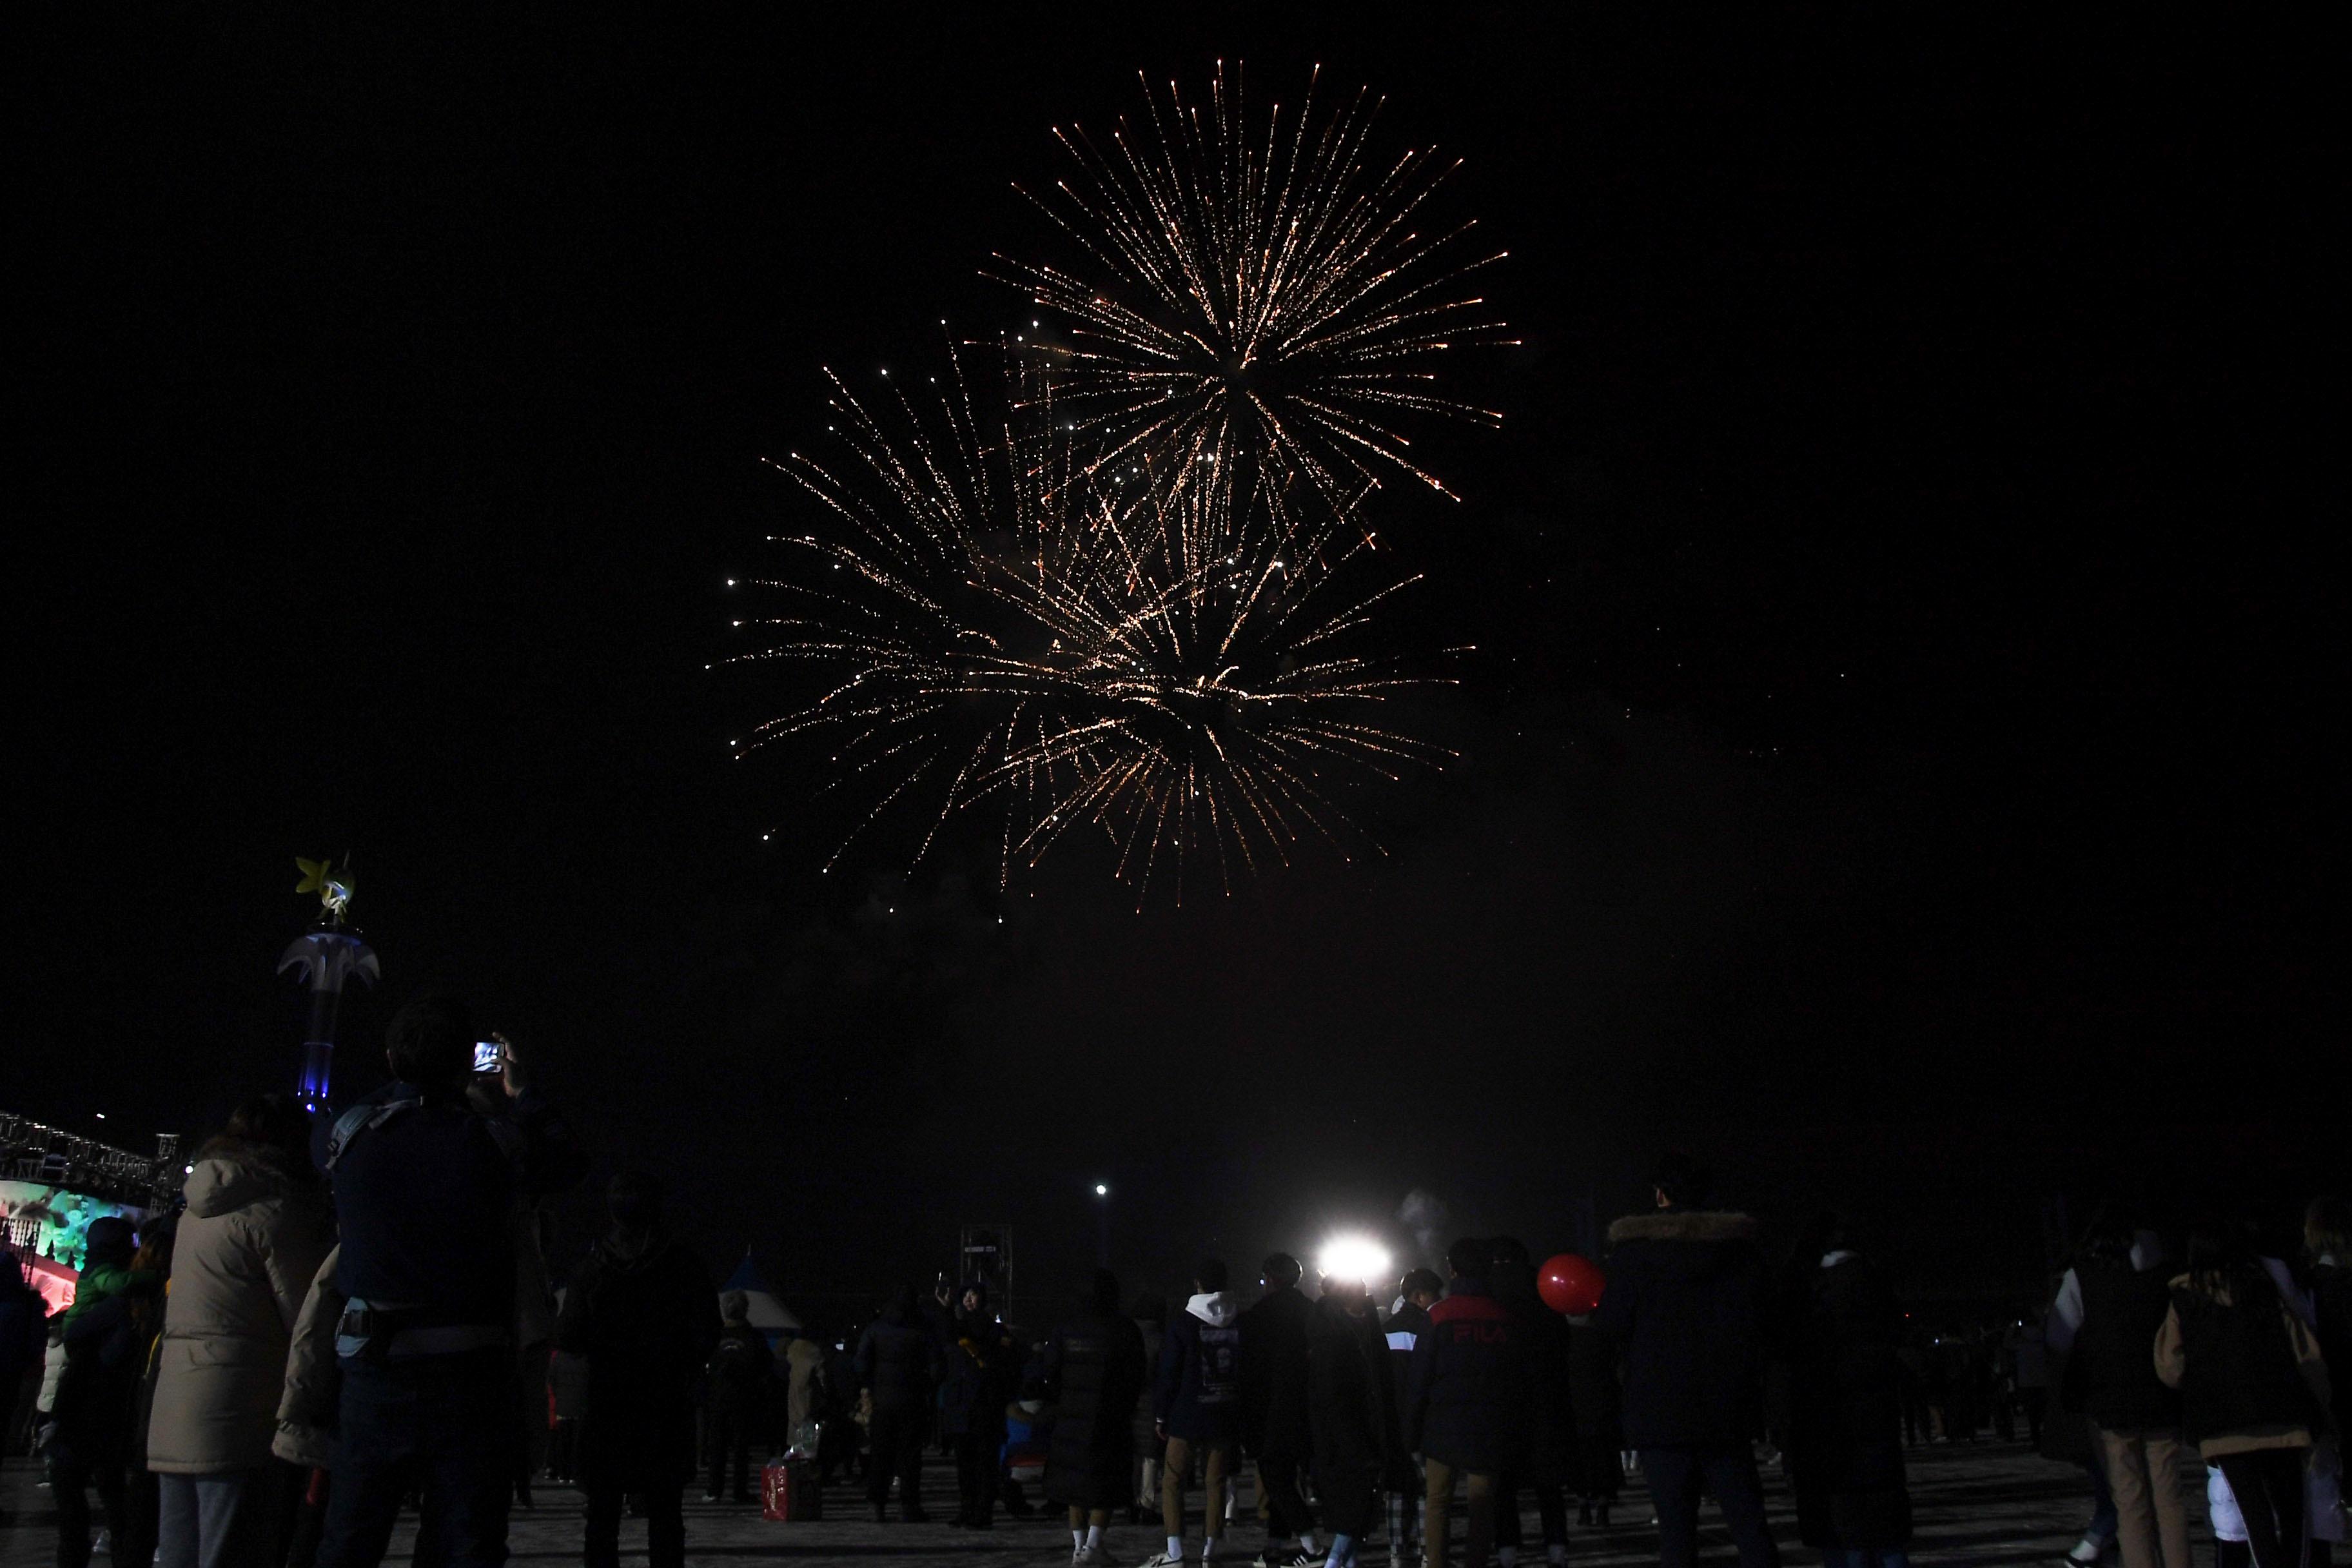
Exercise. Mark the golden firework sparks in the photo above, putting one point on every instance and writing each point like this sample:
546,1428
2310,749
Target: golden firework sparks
1005,621
1260,288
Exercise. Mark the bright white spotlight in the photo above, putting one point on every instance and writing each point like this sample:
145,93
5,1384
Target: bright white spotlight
1356,1257
1101,1191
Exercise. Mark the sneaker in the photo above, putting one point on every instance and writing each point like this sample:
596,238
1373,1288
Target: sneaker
1088,1557
1287,1557
1162,1560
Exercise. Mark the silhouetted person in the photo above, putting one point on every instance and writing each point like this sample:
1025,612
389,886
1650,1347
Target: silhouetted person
425,1202
641,1313
1845,1423
981,1375
1419,1290
2111,1304
1685,1299
2253,1389
1466,1411
1094,1378
898,1365
97,1406
256,1228
1359,1443
1550,1461
1196,1407
24,1337
2327,1254
737,1389
1276,1431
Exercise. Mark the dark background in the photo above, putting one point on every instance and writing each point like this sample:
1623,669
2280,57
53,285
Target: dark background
1895,763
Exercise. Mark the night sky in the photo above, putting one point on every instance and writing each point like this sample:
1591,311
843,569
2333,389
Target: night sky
1893,765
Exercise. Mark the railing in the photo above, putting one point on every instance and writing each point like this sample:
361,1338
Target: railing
31,1151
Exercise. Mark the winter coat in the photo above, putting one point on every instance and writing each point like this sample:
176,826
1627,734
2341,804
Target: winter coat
1402,1331
53,1372
1467,1404
898,1360
981,1374
1845,1424
1359,1444
97,1402
1551,1409
313,1381
1685,1301
2331,1297
2112,1378
2248,1370
739,1369
803,1367
645,1322
1197,1392
250,1246
1093,1377
1274,1335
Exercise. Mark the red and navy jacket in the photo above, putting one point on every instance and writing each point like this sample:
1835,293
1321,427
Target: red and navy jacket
1466,1404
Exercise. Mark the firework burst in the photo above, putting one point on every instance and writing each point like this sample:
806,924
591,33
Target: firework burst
1258,289
1007,623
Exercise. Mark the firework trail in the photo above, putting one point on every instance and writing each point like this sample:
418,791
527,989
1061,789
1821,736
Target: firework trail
1007,622
1256,288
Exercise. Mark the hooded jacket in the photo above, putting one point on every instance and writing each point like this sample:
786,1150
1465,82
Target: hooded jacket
1274,1335
1467,1405
1197,1394
250,1246
1685,1299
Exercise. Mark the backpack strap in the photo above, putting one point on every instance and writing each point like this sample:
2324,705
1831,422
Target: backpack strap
363,1118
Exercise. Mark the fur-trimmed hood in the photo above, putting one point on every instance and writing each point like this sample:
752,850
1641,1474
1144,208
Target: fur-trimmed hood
1682,1225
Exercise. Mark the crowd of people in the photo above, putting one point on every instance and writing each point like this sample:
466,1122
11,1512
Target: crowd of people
322,1338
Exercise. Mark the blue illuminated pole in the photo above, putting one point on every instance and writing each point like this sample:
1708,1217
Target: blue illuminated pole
329,955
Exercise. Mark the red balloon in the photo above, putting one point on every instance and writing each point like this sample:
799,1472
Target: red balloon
1571,1284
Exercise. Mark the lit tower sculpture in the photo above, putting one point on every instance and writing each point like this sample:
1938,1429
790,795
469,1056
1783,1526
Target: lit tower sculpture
327,954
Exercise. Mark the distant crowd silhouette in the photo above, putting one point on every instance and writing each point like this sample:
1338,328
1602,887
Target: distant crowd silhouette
312,1345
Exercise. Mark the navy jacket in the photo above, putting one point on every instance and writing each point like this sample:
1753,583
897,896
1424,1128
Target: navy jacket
1467,1404
1685,1299
1197,1394
424,1203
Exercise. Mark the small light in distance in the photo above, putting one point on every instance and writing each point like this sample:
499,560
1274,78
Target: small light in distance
1356,1257
1101,1191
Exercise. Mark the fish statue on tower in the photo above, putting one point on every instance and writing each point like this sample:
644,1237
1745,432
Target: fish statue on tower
329,954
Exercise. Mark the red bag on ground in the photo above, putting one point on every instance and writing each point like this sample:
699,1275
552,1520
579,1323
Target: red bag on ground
789,1493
